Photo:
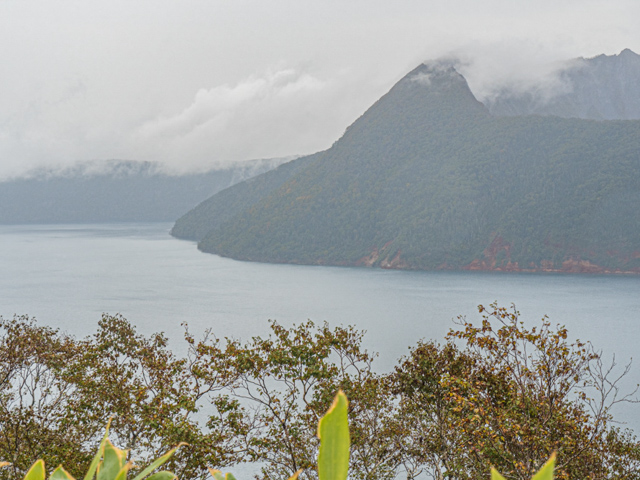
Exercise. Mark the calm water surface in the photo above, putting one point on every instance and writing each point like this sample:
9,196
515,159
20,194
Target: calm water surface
67,276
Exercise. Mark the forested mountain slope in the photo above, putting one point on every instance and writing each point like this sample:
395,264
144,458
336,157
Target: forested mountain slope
211,213
427,178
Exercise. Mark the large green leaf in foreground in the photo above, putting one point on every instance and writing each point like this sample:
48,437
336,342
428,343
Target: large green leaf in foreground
333,431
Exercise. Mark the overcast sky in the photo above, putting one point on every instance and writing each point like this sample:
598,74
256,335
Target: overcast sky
202,83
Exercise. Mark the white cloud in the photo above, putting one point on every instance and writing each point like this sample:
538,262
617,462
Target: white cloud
277,114
193,84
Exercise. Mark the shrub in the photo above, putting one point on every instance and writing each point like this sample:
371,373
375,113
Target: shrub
109,463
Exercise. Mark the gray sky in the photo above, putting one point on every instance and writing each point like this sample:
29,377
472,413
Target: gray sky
202,83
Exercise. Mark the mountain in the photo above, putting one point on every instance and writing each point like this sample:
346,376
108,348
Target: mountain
606,87
428,178
114,191
213,212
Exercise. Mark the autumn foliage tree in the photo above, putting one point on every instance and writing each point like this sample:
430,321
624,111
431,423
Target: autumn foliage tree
286,381
500,393
57,392
34,396
506,395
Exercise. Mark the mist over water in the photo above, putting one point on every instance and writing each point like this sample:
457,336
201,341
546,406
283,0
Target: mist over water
68,275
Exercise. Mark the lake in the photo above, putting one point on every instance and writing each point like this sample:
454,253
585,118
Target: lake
68,275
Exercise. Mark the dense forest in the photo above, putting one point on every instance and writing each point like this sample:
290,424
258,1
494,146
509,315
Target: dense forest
427,178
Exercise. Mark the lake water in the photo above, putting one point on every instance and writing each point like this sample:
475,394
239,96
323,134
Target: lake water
67,276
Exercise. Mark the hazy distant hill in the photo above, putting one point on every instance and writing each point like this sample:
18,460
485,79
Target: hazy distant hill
114,191
606,87
427,178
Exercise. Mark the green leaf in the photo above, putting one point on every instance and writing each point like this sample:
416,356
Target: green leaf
163,476
216,474
495,475
333,432
160,461
36,472
294,476
96,460
113,462
122,474
546,472
60,474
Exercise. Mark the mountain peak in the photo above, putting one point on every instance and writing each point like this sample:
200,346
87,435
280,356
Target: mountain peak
426,178
625,56
432,97
629,57
437,75
436,87
604,87
436,71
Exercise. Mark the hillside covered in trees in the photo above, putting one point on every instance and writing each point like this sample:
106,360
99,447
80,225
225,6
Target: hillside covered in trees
114,191
427,178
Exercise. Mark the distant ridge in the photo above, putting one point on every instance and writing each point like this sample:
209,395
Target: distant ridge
114,191
427,178
606,87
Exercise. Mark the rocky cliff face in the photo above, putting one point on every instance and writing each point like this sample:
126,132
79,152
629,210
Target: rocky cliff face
606,87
